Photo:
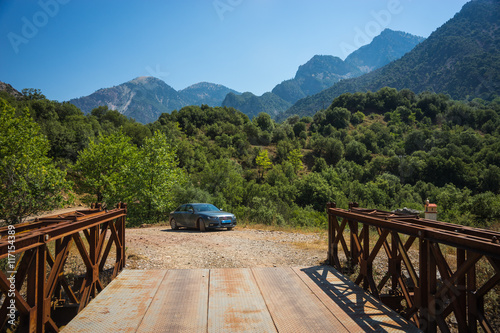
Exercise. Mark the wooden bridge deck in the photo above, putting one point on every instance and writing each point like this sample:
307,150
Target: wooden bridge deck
313,299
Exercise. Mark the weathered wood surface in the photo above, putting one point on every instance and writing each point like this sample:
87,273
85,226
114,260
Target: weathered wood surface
282,299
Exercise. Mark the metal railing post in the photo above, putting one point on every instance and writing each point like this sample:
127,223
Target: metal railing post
444,284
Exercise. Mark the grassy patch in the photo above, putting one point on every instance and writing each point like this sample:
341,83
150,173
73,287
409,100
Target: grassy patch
319,244
284,228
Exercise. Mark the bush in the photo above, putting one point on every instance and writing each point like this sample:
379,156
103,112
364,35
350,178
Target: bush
266,212
307,217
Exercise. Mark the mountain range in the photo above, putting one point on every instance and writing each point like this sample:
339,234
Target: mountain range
461,59
145,98
323,71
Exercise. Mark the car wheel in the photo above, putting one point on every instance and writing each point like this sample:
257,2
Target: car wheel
201,225
230,228
173,224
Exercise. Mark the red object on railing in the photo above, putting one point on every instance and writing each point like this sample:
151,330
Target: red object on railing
421,281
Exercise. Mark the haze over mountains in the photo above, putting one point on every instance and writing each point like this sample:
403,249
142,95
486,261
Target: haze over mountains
145,98
323,71
461,58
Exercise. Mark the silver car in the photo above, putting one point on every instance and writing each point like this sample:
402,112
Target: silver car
201,216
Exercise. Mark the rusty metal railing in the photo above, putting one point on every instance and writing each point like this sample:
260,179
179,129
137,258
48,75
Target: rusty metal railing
34,285
432,269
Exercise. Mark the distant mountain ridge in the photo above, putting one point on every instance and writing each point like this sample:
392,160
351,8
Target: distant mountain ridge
388,46
323,71
206,93
461,58
146,98
320,72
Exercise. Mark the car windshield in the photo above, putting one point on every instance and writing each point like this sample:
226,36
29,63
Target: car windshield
205,208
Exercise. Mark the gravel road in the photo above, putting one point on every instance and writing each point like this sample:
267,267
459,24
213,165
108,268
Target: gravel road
162,248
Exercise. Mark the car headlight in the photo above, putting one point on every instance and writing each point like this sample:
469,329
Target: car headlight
212,217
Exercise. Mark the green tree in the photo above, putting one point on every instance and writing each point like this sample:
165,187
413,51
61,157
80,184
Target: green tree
263,161
319,164
152,178
486,205
356,151
315,191
264,122
338,117
223,179
103,168
32,94
295,158
491,179
30,183
299,128
357,118
283,149
333,150
137,132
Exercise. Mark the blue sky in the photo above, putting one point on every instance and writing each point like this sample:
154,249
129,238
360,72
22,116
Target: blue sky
71,48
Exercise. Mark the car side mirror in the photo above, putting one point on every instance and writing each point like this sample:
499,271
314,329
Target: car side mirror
191,211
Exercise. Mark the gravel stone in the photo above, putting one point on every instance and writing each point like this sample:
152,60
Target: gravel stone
159,247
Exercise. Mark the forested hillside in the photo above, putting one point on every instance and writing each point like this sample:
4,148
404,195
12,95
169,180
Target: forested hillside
387,149
461,59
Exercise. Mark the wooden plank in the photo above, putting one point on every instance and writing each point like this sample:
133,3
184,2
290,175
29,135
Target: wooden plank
315,279
313,299
357,310
236,304
121,306
180,305
292,305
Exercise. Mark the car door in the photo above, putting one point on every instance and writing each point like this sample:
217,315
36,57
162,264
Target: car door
180,215
190,217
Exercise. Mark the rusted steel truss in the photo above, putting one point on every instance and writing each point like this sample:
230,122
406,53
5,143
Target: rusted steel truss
421,279
33,275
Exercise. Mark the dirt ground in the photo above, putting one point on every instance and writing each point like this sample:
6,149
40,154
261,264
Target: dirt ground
159,247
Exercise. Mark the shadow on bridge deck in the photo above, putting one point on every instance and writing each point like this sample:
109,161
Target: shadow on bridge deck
282,299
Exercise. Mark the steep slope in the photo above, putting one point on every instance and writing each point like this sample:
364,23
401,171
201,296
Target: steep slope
388,46
323,71
146,98
10,90
143,99
461,58
319,73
